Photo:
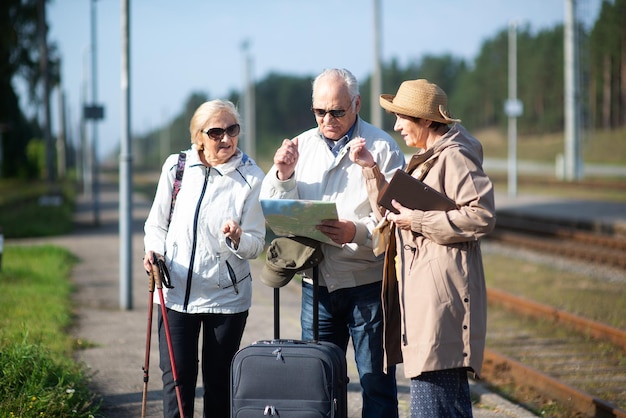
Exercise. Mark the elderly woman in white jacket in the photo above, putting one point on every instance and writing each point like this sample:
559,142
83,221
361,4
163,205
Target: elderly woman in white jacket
206,232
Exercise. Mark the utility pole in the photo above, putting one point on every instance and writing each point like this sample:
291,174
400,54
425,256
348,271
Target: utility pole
62,135
376,85
85,153
94,113
45,70
126,160
94,123
573,158
513,109
249,102
164,137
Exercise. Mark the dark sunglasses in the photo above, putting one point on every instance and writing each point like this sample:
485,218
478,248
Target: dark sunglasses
217,134
335,113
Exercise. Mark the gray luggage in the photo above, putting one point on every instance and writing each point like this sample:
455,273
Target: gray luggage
289,378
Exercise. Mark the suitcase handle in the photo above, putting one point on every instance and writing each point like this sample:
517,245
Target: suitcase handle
281,341
316,307
316,313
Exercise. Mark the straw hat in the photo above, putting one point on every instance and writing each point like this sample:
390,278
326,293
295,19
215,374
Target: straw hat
420,99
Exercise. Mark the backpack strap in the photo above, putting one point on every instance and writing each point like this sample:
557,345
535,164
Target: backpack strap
180,169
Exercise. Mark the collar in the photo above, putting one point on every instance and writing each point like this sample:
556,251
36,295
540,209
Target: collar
418,159
336,146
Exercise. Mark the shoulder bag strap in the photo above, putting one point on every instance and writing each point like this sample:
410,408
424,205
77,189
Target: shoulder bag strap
418,162
180,169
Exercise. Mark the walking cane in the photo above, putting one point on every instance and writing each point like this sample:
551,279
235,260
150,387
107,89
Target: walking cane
146,362
159,276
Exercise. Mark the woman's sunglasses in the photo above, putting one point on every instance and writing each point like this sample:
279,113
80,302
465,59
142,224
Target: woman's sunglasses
217,134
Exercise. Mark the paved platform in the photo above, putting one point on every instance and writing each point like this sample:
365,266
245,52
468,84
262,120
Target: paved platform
593,215
116,338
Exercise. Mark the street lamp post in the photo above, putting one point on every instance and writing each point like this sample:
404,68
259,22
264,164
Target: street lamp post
93,112
513,109
573,158
126,164
94,123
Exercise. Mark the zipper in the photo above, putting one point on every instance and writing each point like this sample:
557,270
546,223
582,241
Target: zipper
219,269
234,282
233,277
195,240
402,261
404,248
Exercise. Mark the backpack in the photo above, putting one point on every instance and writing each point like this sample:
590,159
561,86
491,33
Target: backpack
180,169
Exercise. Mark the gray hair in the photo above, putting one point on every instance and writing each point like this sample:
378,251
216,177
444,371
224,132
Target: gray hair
348,78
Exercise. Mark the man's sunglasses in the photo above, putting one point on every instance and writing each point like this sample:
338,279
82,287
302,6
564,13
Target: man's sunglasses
335,113
217,134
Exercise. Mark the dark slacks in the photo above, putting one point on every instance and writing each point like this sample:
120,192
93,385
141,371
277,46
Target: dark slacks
221,337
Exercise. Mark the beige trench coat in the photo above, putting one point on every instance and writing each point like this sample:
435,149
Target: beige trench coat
436,310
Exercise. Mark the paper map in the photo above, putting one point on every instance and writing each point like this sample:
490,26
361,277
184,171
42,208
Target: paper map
289,217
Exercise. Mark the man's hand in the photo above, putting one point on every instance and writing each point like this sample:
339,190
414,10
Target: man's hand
286,158
340,231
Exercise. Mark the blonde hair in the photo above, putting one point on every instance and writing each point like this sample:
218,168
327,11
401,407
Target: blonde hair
209,109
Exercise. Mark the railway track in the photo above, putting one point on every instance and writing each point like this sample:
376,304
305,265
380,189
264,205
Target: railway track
558,357
561,239
550,359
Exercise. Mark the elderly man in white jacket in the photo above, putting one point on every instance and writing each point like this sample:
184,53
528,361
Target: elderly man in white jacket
315,166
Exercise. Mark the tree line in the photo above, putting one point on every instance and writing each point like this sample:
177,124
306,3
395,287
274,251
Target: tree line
477,89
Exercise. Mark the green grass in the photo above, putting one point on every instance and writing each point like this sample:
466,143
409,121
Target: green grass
35,293
607,189
35,208
36,384
598,147
39,377
601,300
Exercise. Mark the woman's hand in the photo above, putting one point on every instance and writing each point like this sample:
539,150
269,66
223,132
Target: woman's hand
233,231
148,260
402,219
359,154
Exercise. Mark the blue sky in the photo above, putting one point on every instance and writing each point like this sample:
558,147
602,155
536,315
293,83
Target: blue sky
178,47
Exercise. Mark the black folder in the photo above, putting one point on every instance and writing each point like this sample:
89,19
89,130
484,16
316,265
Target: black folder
413,194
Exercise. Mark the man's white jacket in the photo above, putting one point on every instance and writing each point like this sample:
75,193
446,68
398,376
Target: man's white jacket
319,175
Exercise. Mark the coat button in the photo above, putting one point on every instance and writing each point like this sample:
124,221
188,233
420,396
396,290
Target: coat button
466,300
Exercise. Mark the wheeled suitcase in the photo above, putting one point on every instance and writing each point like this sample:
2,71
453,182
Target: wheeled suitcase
290,378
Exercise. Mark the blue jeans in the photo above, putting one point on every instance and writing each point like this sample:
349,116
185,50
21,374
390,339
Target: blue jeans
357,313
441,393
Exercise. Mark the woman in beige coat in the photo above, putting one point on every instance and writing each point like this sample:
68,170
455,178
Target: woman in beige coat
434,292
